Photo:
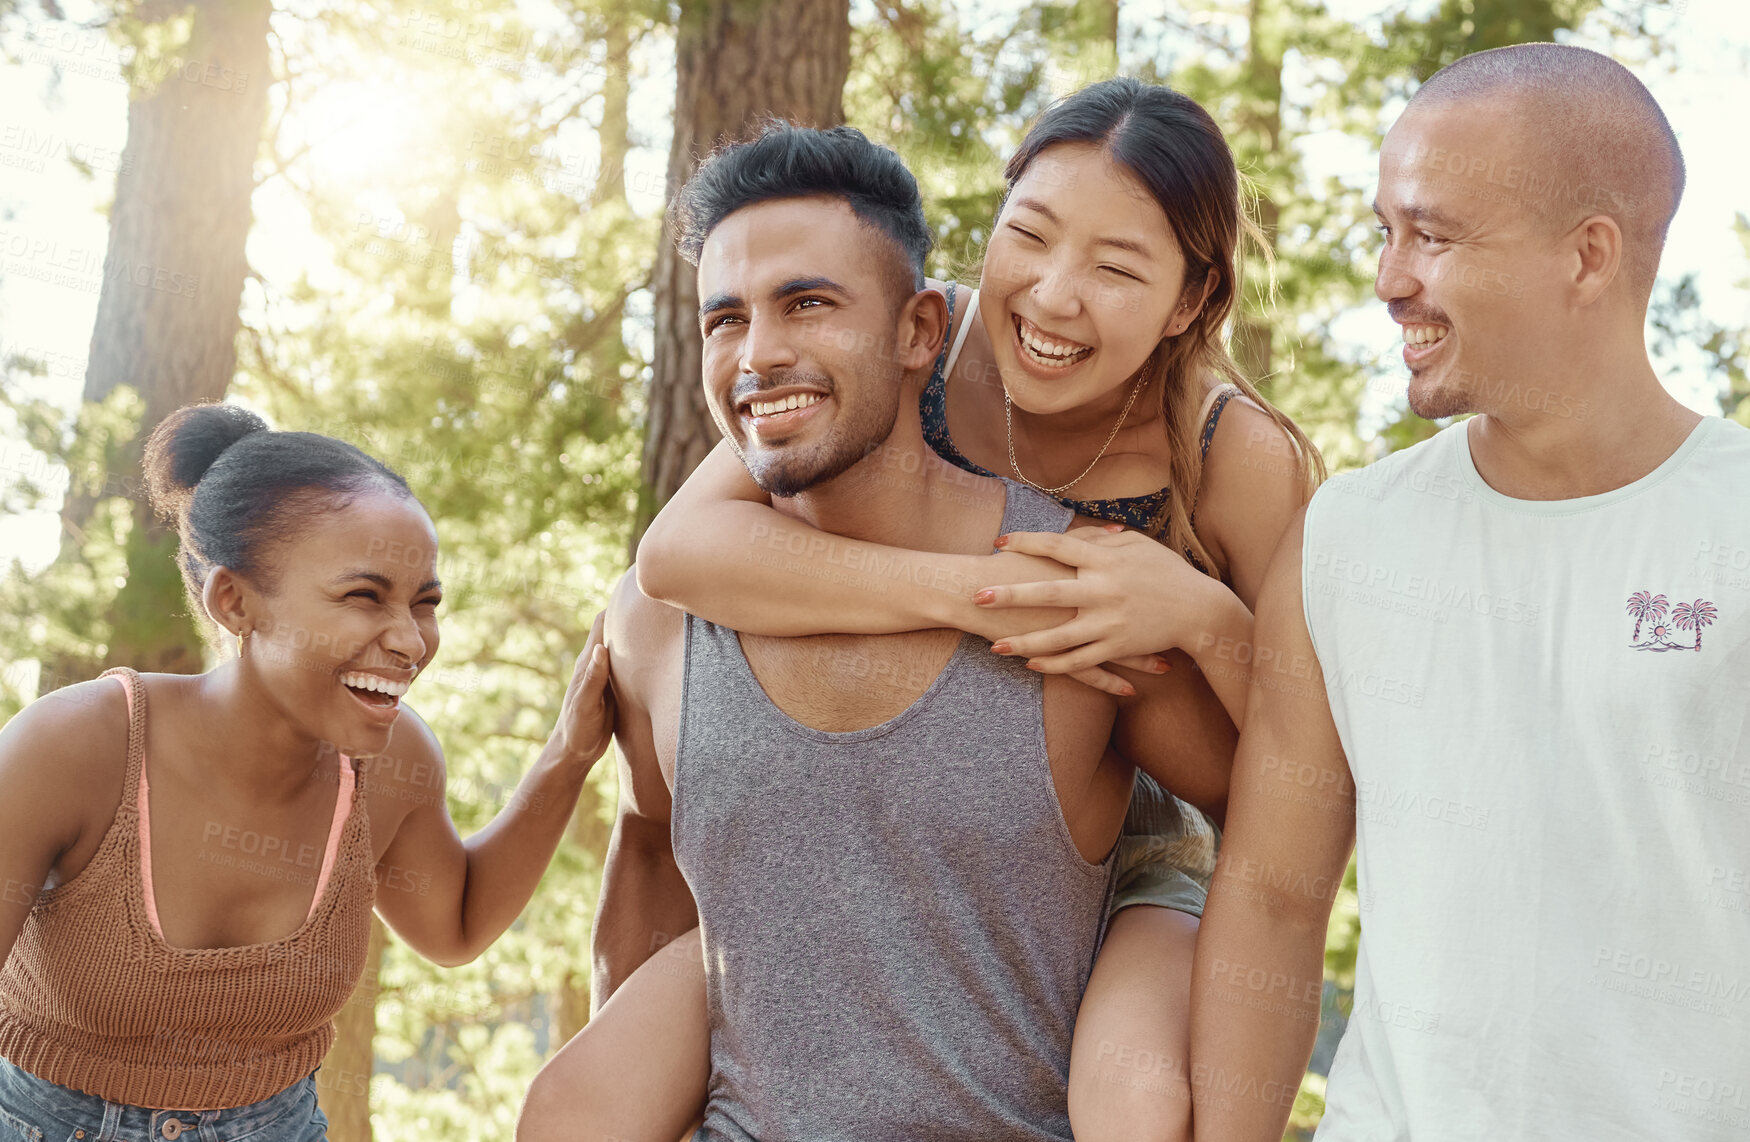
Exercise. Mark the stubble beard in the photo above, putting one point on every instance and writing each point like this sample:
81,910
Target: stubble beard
1438,401
784,475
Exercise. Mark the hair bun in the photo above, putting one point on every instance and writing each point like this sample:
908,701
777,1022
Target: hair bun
186,444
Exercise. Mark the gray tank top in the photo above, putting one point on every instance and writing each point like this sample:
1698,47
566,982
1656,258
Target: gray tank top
897,924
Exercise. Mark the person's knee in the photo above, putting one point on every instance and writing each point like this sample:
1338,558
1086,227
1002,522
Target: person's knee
1130,1104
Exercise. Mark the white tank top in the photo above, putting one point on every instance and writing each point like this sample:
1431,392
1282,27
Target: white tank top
1546,710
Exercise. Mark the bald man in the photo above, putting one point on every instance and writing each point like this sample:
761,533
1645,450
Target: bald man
1511,665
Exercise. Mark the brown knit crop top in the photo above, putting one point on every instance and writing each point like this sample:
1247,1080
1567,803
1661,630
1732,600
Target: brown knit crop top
93,998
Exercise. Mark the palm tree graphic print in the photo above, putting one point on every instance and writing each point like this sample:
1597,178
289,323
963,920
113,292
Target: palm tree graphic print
1649,609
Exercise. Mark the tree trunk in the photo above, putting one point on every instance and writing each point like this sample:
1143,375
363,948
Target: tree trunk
343,1084
615,132
173,275
1262,122
737,61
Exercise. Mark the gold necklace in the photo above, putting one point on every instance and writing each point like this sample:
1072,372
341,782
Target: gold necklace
1009,420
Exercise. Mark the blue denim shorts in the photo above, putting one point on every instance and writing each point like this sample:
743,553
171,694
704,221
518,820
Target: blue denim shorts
36,1110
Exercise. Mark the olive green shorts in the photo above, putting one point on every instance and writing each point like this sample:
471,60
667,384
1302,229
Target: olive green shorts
1166,853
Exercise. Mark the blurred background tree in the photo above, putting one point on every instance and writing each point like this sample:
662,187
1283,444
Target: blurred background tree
435,230
736,63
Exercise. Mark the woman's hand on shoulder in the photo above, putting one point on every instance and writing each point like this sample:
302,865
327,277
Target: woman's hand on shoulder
586,716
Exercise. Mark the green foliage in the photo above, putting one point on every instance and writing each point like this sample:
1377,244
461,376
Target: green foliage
68,607
1343,933
1722,351
153,46
951,102
1309,1107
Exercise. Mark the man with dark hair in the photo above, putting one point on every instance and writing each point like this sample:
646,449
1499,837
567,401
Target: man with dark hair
1515,714
783,162
900,886
789,165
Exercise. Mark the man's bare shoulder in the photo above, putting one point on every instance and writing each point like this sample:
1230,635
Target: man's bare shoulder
643,636
632,612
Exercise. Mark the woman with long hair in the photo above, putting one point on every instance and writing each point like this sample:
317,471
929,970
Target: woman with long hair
1091,365
191,861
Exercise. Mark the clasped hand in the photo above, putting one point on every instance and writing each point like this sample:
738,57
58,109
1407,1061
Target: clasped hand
1133,599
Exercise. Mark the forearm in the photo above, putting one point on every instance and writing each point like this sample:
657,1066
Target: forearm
1222,647
748,566
1259,969
508,857
1255,1000
1176,731
645,903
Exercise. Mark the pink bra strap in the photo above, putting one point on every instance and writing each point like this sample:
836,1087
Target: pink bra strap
342,812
